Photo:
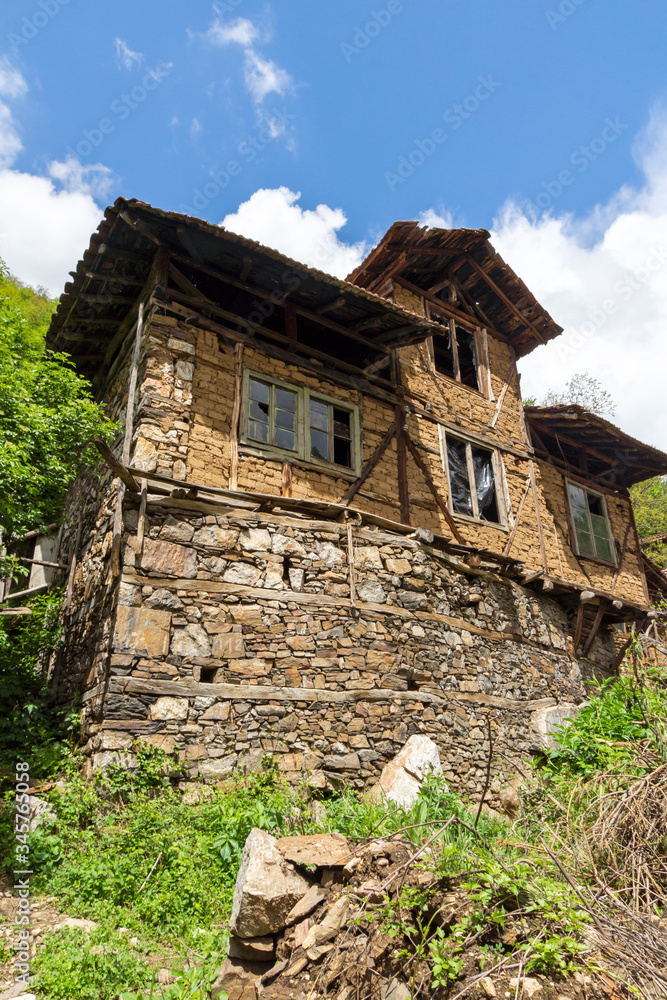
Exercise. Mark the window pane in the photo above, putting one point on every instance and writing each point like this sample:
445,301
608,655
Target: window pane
285,439
341,422
258,432
459,483
260,391
603,549
342,452
319,445
581,522
285,419
286,400
259,411
577,496
443,356
585,543
600,526
319,415
465,342
485,485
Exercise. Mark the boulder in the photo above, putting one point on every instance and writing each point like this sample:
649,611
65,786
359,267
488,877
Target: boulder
252,949
328,850
402,777
267,888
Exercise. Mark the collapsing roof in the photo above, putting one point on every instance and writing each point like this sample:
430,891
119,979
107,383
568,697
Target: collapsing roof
582,441
414,255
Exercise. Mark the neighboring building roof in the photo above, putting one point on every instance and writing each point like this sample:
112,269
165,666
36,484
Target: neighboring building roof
656,579
423,256
614,458
114,269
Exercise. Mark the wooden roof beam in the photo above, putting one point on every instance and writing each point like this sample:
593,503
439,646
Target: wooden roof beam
504,298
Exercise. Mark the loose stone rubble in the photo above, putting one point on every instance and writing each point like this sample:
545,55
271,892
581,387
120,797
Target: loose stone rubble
402,777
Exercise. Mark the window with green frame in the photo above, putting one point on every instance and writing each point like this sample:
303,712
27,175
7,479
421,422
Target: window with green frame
590,521
289,419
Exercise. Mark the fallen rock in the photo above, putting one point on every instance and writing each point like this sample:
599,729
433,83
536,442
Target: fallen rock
330,926
402,777
510,801
395,990
260,949
86,925
267,888
238,979
488,986
328,850
315,895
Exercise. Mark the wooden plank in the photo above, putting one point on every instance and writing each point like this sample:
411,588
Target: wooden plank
72,566
400,416
436,495
234,431
132,388
142,520
501,398
370,464
286,489
578,628
510,540
120,470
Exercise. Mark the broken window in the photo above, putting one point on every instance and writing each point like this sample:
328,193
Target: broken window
454,351
590,521
472,480
286,418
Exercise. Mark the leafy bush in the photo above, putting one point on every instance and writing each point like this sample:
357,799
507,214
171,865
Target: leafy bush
94,965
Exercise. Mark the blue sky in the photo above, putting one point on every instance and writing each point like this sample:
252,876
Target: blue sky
541,120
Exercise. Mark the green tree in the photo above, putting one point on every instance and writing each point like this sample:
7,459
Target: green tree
48,418
649,500
583,390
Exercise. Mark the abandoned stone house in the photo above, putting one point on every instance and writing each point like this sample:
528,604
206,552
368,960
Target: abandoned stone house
328,522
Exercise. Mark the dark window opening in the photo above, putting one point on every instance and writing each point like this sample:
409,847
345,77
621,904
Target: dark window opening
443,355
207,675
465,341
330,433
286,569
472,481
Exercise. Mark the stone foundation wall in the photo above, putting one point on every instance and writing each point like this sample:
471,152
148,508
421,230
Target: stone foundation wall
239,634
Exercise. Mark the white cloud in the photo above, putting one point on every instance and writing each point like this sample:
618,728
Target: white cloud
603,278
126,57
10,140
264,77
94,179
272,217
12,83
240,32
43,231
437,220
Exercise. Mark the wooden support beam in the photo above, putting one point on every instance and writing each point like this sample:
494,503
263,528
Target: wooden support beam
579,628
370,465
504,298
594,630
236,418
517,521
419,462
286,489
117,467
536,501
72,566
141,523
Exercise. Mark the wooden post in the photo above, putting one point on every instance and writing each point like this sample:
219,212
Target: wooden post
72,567
287,480
236,418
401,450
594,631
141,525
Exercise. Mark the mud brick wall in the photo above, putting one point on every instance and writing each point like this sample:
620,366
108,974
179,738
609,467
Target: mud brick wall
236,635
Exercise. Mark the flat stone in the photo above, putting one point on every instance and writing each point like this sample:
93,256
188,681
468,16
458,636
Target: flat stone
237,979
169,709
193,640
327,850
267,888
395,990
168,558
400,567
228,646
488,986
411,600
211,536
176,531
142,631
242,573
315,895
402,777
216,713
545,723
330,926
216,770
110,758
113,739
330,555
371,592
85,925
530,986
342,762
260,949
283,545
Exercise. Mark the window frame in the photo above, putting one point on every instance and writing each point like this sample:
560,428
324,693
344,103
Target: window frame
499,480
479,338
302,454
593,557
